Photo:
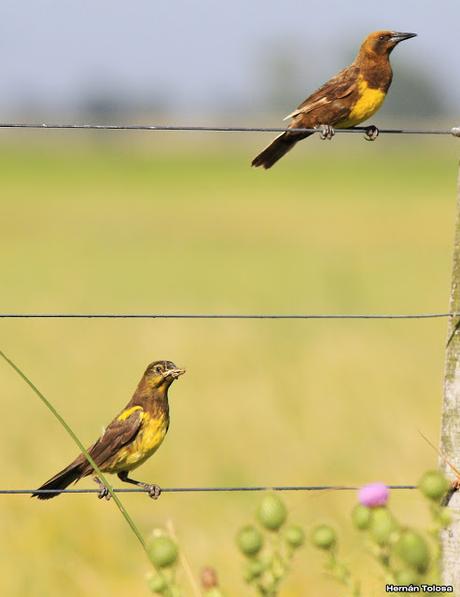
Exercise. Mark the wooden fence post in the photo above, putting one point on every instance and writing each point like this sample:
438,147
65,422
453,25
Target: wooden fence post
450,429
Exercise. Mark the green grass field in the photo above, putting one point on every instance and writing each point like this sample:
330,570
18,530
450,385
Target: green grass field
163,225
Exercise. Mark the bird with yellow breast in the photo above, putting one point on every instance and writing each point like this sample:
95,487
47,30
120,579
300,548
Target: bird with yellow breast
132,437
348,99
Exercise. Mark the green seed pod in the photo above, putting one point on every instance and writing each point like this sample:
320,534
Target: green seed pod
249,540
162,551
382,525
413,550
433,485
324,537
445,517
294,536
157,584
361,517
254,569
272,512
407,577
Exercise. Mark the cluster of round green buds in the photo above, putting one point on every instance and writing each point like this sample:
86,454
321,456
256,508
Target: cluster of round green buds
270,546
324,537
371,513
271,513
433,485
378,521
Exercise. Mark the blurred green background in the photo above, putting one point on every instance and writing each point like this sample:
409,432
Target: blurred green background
155,224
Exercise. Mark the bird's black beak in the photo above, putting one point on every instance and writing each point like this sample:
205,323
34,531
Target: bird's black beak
396,36
174,373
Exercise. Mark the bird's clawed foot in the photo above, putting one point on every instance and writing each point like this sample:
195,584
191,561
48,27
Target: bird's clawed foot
104,493
326,132
153,490
371,133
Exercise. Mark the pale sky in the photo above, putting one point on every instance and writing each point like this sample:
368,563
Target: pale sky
203,51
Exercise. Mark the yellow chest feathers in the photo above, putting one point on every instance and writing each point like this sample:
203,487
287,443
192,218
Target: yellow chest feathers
146,442
369,101
152,433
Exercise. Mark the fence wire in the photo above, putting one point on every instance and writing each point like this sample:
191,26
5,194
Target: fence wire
453,131
227,315
206,489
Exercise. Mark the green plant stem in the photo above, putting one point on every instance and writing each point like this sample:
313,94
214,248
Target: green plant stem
435,533
344,577
88,457
382,555
183,561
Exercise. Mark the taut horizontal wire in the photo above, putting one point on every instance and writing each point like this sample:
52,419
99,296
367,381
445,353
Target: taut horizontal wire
205,489
454,131
224,316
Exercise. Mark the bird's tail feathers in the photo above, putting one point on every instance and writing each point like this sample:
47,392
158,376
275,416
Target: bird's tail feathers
277,148
61,480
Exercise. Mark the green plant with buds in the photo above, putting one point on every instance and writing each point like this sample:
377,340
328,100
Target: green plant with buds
325,538
434,487
407,556
163,553
269,546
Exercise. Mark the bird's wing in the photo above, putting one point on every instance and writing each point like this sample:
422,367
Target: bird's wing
337,88
119,433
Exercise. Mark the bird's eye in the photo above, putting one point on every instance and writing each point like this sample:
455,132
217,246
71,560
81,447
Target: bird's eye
158,370
382,37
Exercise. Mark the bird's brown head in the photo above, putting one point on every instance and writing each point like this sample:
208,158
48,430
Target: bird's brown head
381,43
161,374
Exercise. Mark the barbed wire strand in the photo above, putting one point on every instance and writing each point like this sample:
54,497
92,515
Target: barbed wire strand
205,489
453,131
226,316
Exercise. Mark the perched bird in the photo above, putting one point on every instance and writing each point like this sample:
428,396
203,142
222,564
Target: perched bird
133,436
346,100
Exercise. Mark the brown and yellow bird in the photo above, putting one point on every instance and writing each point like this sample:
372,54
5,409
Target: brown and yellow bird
346,100
132,437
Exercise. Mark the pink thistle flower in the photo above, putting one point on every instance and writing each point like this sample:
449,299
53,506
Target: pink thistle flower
373,495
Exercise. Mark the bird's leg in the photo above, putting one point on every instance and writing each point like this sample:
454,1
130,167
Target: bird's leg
103,491
153,490
371,133
327,131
